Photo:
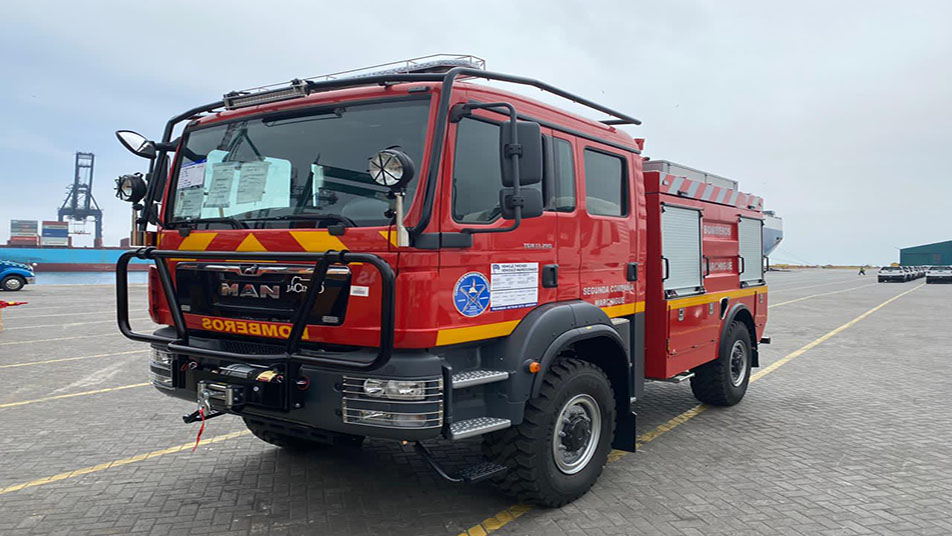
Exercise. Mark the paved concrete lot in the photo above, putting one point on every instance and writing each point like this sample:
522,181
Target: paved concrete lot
846,430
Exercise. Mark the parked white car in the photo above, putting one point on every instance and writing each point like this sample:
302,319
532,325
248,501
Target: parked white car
939,274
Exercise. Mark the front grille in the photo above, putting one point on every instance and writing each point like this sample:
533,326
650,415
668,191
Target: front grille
407,411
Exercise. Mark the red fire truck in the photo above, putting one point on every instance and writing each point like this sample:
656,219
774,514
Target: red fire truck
408,254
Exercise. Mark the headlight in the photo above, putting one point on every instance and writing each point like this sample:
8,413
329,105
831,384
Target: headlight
373,387
395,389
161,357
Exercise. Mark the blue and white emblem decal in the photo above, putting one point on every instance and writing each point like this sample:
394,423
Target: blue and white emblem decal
471,294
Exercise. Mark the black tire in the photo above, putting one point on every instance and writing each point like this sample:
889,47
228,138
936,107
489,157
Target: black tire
723,382
295,443
12,283
528,450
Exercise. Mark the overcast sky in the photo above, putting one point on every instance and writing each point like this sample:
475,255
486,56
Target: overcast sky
838,113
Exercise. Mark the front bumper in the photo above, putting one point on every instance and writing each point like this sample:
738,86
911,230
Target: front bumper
320,398
31,280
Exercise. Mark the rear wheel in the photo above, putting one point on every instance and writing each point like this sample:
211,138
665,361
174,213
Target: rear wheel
559,450
290,442
723,382
12,282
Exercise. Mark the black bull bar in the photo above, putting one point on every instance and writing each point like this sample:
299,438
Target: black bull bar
321,261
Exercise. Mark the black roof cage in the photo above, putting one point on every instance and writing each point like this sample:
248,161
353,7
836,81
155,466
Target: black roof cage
436,68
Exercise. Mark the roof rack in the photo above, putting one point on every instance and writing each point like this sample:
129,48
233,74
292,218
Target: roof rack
432,64
444,68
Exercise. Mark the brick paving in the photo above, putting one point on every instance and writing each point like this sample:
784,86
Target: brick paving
853,437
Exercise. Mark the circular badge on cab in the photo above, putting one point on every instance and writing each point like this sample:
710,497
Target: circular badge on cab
471,294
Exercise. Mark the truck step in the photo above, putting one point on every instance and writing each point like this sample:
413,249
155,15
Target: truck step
478,377
477,426
468,474
480,471
679,378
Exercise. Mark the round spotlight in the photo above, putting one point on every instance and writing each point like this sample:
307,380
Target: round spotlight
130,188
391,168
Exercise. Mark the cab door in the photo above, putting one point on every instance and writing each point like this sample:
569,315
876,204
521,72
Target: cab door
487,288
606,229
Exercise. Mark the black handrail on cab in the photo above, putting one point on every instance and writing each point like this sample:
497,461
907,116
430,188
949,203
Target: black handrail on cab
321,261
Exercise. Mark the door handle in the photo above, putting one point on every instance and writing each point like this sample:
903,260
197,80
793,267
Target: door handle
707,265
667,268
631,272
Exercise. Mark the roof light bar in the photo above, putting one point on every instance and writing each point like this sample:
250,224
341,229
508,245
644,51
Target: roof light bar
243,99
435,63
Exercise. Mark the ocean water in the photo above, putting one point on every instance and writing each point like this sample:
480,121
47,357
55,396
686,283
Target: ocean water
85,278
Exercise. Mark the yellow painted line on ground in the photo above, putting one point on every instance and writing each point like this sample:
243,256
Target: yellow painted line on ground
818,295
62,359
71,324
496,522
110,311
119,463
72,395
110,334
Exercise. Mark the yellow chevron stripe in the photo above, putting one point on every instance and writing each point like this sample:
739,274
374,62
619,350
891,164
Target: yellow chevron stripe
317,240
475,333
250,243
197,241
502,329
390,236
717,296
624,309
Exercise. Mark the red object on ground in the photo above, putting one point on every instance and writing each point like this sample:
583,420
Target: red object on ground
4,304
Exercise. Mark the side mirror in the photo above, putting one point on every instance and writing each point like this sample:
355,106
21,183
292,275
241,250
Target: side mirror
530,158
136,143
530,199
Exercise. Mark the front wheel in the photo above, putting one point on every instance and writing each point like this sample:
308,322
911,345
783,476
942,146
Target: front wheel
723,382
12,282
559,450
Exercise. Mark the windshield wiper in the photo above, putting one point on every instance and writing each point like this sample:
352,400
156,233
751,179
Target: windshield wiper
236,223
310,216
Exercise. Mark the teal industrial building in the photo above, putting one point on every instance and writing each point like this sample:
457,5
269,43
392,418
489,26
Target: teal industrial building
939,253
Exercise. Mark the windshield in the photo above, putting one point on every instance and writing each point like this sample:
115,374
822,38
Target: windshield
890,269
300,165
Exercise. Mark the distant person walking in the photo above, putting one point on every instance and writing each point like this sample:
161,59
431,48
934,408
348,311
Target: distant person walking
862,270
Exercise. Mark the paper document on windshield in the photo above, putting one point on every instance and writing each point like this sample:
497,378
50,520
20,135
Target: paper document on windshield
252,178
191,175
188,203
223,179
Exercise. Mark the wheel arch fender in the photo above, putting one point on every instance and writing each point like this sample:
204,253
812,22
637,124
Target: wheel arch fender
548,330
741,313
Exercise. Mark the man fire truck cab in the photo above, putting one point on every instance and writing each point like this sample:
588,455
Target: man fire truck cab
410,255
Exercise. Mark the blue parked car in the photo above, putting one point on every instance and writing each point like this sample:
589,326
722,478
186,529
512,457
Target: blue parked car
14,275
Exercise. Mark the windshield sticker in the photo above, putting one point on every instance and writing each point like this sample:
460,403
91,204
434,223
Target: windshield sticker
191,175
188,203
471,294
223,179
514,285
252,177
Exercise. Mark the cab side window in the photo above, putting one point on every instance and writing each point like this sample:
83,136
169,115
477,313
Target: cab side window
563,195
477,172
606,184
